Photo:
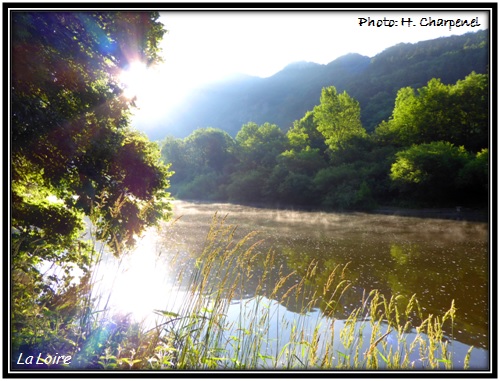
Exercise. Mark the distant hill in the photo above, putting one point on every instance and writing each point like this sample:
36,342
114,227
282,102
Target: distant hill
287,95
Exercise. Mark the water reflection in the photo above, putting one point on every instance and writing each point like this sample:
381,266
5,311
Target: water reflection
438,260
286,323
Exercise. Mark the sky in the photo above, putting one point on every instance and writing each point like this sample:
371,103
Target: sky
206,46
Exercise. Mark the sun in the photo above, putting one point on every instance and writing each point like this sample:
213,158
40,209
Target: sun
146,87
135,80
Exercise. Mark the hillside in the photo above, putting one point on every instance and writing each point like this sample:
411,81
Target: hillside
287,95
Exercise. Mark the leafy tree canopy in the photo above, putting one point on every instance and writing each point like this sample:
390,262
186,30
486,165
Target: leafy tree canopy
455,113
260,145
304,133
73,154
430,171
71,141
338,118
209,148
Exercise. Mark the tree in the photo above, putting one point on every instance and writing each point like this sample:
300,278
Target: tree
430,173
471,97
73,152
247,186
306,161
210,148
438,112
344,187
304,133
259,146
338,118
401,129
70,121
201,162
307,147
473,179
173,151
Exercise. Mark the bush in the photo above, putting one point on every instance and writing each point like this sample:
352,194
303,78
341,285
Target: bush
202,187
429,172
297,189
473,178
247,186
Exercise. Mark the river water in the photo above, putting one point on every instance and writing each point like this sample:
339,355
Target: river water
438,260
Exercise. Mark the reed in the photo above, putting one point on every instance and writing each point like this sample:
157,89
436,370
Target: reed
200,335
377,335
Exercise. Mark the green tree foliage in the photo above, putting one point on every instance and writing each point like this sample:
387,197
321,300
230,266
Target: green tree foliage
327,159
69,120
247,186
429,172
473,179
338,118
291,181
306,161
210,148
173,151
200,162
455,113
470,98
344,187
304,133
307,151
73,153
259,146
403,65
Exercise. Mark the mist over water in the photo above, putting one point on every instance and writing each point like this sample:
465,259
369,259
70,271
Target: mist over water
438,260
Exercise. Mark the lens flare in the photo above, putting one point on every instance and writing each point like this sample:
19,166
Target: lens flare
135,80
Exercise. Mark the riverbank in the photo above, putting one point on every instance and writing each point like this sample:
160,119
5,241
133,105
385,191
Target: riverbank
458,213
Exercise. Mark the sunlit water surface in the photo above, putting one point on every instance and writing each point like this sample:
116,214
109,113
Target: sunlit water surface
438,260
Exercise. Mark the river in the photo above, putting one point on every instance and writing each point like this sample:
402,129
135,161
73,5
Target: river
438,260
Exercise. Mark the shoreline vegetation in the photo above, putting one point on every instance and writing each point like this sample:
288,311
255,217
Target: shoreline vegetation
423,156
384,333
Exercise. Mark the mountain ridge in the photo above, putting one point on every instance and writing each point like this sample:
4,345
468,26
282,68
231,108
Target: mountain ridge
287,95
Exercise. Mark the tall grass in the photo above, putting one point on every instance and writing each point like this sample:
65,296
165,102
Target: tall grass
201,336
199,333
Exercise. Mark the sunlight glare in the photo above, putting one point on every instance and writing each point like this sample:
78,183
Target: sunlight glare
135,80
144,284
146,87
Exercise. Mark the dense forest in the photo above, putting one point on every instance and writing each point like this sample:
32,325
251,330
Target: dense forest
431,152
289,94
